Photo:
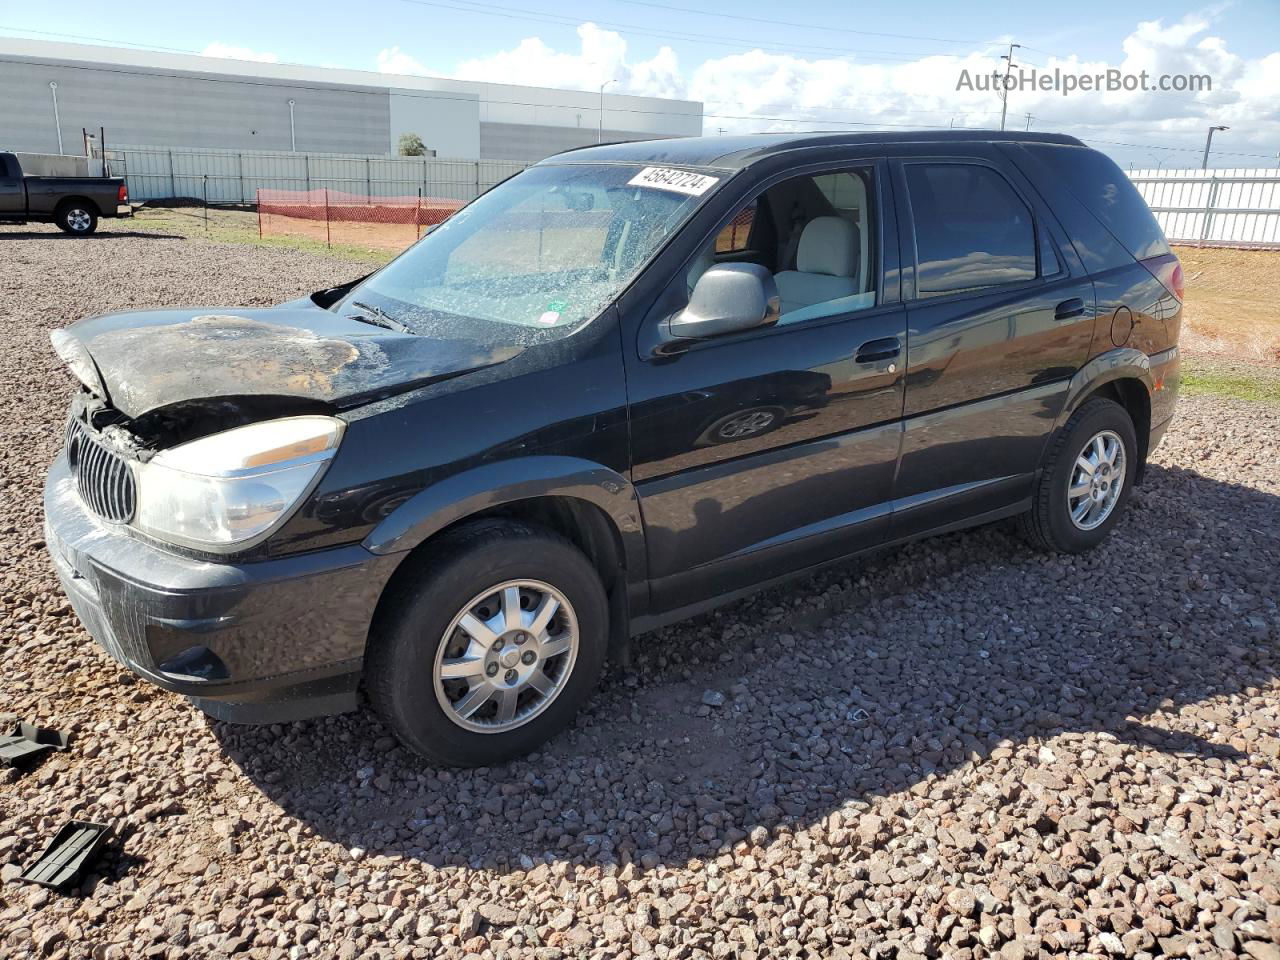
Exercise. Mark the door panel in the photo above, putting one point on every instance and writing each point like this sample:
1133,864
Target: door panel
987,373
777,447
13,198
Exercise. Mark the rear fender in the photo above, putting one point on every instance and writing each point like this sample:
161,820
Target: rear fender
1122,363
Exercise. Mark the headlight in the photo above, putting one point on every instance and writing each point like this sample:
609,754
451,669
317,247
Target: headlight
228,488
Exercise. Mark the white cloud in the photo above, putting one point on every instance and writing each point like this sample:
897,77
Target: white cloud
228,52
602,56
395,60
839,92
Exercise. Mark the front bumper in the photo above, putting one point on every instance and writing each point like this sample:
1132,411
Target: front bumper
260,642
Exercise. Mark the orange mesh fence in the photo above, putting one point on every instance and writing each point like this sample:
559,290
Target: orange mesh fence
382,223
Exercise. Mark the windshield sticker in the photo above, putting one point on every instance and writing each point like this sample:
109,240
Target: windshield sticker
678,181
550,318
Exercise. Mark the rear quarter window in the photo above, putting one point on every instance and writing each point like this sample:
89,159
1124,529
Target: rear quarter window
1097,182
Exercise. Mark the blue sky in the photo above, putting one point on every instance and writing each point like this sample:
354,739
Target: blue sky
802,66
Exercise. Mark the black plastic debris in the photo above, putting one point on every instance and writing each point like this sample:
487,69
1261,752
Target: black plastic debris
25,741
72,849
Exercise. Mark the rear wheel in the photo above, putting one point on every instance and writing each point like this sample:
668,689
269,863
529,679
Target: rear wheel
488,646
76,218
1086,480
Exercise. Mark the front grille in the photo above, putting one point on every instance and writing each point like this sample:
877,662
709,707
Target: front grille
103,478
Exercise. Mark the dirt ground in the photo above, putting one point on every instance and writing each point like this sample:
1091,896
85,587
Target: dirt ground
1231,311
391,237
959,749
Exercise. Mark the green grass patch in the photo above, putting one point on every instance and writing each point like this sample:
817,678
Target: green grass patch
1262,386
241,226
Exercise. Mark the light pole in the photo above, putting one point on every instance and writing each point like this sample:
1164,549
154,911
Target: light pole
600,125
1004,92
293,136
1204,164
53,88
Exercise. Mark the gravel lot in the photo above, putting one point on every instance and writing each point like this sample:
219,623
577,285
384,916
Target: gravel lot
956,749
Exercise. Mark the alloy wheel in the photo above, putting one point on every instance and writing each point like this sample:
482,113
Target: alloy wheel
506,656
1097,478
79,220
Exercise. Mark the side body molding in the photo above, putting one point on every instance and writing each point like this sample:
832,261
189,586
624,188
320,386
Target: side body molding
506,481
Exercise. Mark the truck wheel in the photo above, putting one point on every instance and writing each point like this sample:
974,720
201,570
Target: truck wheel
488,644
1085,481
76,218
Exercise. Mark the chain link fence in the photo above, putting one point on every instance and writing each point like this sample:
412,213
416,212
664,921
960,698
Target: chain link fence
236,176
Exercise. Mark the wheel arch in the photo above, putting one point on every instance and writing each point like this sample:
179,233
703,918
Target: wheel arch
87,202
1123,376
593,507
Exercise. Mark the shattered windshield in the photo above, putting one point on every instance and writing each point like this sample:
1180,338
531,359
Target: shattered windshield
543,252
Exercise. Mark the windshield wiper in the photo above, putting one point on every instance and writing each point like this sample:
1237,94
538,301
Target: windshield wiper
378,317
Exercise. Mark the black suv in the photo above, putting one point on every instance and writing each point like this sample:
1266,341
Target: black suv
631,383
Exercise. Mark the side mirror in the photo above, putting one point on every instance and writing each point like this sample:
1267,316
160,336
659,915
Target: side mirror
728,298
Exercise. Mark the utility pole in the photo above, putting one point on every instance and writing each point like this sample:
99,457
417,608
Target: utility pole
1029,119
1004,90
1204,163
600,126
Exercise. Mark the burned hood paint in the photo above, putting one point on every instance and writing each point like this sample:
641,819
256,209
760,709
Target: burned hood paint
156,358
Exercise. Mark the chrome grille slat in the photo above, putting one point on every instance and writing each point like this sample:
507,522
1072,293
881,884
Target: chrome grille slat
103,479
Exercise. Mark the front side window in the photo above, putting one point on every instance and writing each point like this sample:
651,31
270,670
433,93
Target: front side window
535,257
972,230
815,233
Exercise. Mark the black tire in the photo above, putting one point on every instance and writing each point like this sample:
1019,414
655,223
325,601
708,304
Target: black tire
76,218
437,586
1048,524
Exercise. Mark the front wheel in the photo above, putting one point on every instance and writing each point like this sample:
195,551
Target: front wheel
1086,480
77,219
489,644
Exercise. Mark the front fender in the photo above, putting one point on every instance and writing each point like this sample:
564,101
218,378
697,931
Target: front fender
506,481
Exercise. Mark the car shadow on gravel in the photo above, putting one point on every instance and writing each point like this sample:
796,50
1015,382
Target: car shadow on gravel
874,678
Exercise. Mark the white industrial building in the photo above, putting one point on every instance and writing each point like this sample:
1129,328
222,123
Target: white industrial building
53,90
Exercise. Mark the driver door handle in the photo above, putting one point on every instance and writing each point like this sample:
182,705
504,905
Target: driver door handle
1069,309
875,350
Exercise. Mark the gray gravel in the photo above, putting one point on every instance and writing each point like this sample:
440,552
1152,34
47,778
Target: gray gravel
960,748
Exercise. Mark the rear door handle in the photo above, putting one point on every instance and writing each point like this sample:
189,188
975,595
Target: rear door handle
875,350
1068,309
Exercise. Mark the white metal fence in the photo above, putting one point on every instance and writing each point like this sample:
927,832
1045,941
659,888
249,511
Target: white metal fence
235,176
1227,207
1222,207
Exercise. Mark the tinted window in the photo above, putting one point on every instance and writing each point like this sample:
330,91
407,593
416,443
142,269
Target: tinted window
971,229
1049,265
1095,180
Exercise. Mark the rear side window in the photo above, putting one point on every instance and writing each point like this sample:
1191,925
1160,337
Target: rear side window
972,230
1095,180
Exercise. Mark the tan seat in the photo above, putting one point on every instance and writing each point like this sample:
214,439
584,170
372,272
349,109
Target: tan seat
826,266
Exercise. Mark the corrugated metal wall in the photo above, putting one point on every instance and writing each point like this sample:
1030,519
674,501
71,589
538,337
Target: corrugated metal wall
232,176
1229,207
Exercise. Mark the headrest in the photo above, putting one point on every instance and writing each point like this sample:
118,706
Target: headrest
828,245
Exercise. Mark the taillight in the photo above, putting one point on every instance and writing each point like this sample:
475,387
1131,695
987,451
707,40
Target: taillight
1168,271
122,195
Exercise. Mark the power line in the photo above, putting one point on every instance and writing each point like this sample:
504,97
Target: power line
826,28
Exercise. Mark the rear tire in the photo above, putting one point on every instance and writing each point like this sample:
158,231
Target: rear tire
447,641
76,218
1075,508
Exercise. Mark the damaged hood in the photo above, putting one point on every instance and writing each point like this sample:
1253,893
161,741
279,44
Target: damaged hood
155,358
